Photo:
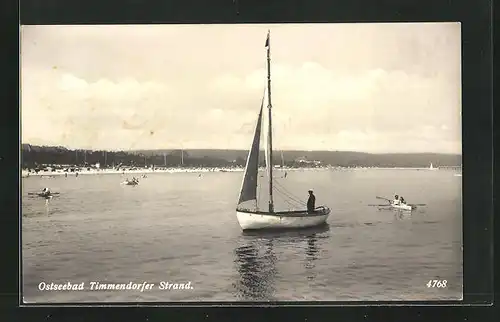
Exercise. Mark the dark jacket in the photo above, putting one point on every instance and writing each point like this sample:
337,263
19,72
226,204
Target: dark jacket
311,203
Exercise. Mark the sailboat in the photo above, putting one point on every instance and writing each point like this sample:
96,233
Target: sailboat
432,168
283,165
248,213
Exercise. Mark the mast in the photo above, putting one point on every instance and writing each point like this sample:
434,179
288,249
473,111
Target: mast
270,132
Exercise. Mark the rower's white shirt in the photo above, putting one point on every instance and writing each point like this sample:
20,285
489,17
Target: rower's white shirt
395,202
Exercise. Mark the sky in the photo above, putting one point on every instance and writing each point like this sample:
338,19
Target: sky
377,88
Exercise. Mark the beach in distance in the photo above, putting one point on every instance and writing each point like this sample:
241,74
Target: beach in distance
181,227
141,171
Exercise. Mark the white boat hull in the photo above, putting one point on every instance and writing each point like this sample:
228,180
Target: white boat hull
250,221
402,207
129,183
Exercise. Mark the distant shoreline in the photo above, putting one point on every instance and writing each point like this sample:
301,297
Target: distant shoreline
141,171
37,157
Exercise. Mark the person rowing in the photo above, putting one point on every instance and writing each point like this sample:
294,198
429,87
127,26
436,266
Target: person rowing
45,192
396,200
402,200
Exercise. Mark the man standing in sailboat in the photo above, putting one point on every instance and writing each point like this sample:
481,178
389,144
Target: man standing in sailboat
311,202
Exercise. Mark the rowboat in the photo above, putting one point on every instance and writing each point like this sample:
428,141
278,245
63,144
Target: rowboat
248,213
130,183
47,195
399,206
403,207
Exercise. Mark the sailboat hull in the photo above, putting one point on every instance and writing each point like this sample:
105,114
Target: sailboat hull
291,219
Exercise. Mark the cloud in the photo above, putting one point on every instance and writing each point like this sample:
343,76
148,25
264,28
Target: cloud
332,110
74,111
312,99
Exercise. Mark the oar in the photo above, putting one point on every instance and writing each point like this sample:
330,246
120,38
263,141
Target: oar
389,200
371,205
39,193
417,204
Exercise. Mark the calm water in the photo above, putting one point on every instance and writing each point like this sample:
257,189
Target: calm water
180,227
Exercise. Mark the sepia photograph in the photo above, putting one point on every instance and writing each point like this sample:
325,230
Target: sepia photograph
241,162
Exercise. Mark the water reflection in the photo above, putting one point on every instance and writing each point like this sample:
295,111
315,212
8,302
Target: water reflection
256,260
256,270
311,256
402,215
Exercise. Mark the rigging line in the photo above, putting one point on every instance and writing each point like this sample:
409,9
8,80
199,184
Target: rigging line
298,201
301,203
283,193
289,201
292,196
288,192
291,207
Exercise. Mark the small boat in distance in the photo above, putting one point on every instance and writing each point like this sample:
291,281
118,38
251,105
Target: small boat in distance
132,182
248,213
432,167
396,204
46,193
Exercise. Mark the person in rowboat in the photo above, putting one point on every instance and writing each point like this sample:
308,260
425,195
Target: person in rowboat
45,192
396,200
402,200
311,202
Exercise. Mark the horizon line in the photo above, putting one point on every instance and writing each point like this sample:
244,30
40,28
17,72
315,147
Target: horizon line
225,149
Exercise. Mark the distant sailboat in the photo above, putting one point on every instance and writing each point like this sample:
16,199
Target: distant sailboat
247,211
283,164
432,168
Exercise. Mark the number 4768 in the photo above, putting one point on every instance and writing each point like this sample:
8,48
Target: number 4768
437,283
